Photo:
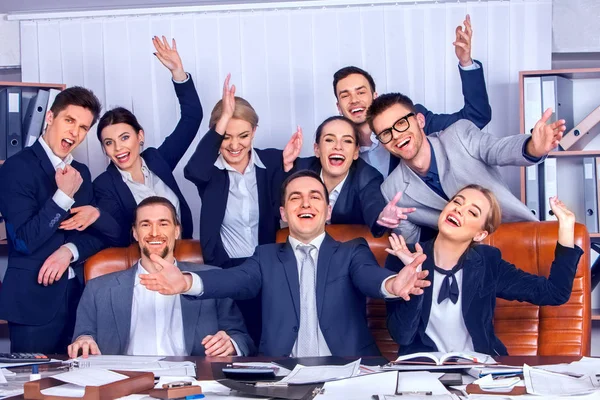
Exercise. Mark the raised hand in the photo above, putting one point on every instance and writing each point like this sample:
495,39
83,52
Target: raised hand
566,222
169,57
544,136
391,214
168,280
462,43
218,345
400,250
68,180
55,266
292,150
228,106
410,280
83,217
86,344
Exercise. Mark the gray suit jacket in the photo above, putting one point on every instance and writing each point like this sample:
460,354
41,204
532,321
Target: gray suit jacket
464,155
104,312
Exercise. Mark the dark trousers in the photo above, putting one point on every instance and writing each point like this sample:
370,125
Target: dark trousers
53,337
251,309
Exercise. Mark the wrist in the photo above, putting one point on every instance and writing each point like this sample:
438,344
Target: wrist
466,63
179,75
221,126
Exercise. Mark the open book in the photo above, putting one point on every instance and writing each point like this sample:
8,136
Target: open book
453,359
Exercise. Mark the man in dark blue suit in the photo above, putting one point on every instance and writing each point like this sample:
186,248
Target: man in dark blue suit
355,90
41,187
313,288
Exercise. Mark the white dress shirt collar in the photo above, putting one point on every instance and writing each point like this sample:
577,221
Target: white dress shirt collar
374,144
221,163
317,241
55,160
127,175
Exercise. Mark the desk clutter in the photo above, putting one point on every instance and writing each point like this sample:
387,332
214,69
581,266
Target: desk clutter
97,377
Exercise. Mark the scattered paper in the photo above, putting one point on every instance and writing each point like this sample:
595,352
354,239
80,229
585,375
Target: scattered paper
422,381
504,384
2,378
68,390
542,382
360,388
321,373
90,377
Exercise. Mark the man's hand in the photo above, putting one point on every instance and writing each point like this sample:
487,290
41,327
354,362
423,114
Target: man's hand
55,266
168,280
292,150
410,280
228,106
545,137
169,57
392,214
218,345
86,344
83,217
400,250
462,44
68,180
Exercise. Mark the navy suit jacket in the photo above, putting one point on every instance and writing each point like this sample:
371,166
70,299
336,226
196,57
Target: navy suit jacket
104,313
32,219
486,276
346,274
213,187
112,193
360,200
477,107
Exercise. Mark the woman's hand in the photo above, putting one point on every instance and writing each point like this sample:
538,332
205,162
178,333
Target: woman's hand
400,250
292,150
228,106
83,217
169,57
566,222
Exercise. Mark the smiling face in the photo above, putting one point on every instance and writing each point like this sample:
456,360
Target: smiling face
67,129
237,143
305,208
464,217
337,148
156,230
122,145
354,96
407,144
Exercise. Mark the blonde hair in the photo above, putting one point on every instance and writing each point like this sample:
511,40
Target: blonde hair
494,217
243,110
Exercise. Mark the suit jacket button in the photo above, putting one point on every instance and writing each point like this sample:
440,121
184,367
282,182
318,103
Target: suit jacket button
295,329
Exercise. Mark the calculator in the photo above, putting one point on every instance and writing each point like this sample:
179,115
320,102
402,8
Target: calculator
23,358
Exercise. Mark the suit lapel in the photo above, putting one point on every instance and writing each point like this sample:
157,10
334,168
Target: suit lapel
290,266
190,313
428,265
44,160
472,278
121,297
447,179
419,191
341,206
328,247
264,208
123,191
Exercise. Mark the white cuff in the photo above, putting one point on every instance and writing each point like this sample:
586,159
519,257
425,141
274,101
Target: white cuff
62,200
73,250
187,78
197,287
237,349
386,294
470,67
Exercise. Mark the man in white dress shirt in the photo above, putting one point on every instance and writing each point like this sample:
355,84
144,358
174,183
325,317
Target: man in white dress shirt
118,315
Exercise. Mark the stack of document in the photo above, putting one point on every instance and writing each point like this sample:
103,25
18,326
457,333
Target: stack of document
547,383
78,379
138,363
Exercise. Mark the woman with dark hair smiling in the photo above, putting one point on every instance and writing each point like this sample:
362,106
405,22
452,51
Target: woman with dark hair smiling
133,174
456,313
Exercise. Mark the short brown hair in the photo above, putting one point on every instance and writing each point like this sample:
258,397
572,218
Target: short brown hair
77,96
243,110
157,200
301,174
494,217
385,101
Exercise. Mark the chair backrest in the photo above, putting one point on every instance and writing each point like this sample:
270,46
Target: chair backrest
524,328
122,258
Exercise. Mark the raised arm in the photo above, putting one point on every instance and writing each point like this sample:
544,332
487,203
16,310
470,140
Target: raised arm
176,144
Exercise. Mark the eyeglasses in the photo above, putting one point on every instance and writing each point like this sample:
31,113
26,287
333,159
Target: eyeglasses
399,126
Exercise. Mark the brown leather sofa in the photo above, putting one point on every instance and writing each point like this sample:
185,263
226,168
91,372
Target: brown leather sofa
525,329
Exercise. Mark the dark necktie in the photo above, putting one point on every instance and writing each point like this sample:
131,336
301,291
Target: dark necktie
449,288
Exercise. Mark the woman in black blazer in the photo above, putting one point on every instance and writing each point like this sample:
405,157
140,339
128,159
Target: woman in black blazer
133,174
456,312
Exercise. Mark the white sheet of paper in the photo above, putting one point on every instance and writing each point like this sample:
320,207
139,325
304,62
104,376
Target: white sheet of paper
90,377
421,381
360,388
321,373
542,382
68,390
2,378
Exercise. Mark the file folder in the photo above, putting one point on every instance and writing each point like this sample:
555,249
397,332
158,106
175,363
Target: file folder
34,117
532,92
583,133
590,193
14,138
532,190
52,93
557,93
3,122
550,187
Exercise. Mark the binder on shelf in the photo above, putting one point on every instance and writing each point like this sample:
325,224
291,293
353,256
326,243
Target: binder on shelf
532,92
51,96
34,117
3,123
598,189
532,190
12,112
583,133
590,194
550,187
557,93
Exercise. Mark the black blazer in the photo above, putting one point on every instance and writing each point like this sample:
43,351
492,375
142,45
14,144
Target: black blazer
486,276
112,193
360,200
213,187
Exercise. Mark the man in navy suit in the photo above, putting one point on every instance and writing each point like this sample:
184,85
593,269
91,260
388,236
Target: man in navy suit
117,315
41,187
355,90
313,288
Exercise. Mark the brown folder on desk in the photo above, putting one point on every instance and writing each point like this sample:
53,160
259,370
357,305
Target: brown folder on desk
136,383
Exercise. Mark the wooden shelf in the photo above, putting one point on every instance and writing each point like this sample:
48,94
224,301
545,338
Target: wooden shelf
570,73
574,153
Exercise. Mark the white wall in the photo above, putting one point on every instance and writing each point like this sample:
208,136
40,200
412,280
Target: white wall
9,43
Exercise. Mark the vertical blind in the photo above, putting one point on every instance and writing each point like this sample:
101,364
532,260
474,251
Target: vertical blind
283,60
